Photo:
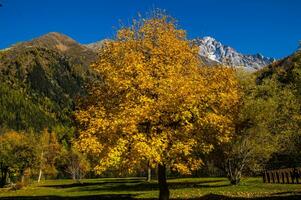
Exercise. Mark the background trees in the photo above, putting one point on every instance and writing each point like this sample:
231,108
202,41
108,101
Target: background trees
49,152
267,126
37,155
75,163
19,111
17,153
252,143
285,76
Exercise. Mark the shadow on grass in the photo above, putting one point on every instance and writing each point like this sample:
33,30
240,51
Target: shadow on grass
84,184
89,197
136,185
130,197
288,192
144,187
222,197
132,185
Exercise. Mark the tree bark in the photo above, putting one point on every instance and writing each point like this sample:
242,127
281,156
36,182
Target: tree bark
22,178
74,176
149,172
3,178
22,173
41,165
40,175
234,172
164,191
7,178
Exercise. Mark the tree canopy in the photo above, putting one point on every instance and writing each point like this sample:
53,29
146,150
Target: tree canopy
156,101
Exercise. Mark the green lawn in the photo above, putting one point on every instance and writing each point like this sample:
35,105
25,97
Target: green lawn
132,188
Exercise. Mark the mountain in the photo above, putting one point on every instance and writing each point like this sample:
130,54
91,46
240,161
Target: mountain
44,77
65,45
213,52
96,45
216,51
286,71
41,79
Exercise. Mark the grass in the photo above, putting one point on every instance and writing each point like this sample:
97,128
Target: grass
137,188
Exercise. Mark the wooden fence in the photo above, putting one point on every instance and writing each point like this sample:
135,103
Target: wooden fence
283,176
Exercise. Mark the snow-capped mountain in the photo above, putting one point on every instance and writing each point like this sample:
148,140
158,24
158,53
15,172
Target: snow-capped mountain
212,52
216,51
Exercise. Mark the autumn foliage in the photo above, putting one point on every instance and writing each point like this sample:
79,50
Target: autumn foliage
157,102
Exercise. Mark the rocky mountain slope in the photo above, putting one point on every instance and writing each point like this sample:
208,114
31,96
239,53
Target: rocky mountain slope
213,52
95,46
216,51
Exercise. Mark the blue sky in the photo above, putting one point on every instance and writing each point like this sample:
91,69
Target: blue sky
270,27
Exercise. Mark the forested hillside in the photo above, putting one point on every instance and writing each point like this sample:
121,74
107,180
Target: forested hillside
286,71
40,80
286,75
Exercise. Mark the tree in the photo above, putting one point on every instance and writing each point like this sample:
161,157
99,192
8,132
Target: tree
75,163
261,126
17,153
282,80
155,103
49,150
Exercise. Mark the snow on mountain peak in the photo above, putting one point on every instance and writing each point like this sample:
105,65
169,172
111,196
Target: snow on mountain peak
208,39
214,50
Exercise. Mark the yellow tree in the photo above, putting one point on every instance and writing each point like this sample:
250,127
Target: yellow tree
17,153
49,150
155,102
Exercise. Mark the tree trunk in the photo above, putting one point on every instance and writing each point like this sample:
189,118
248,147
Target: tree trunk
22,177
164,191
74,176
234,180
7,178
149,172
40,172
234,172
40,175
3,178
